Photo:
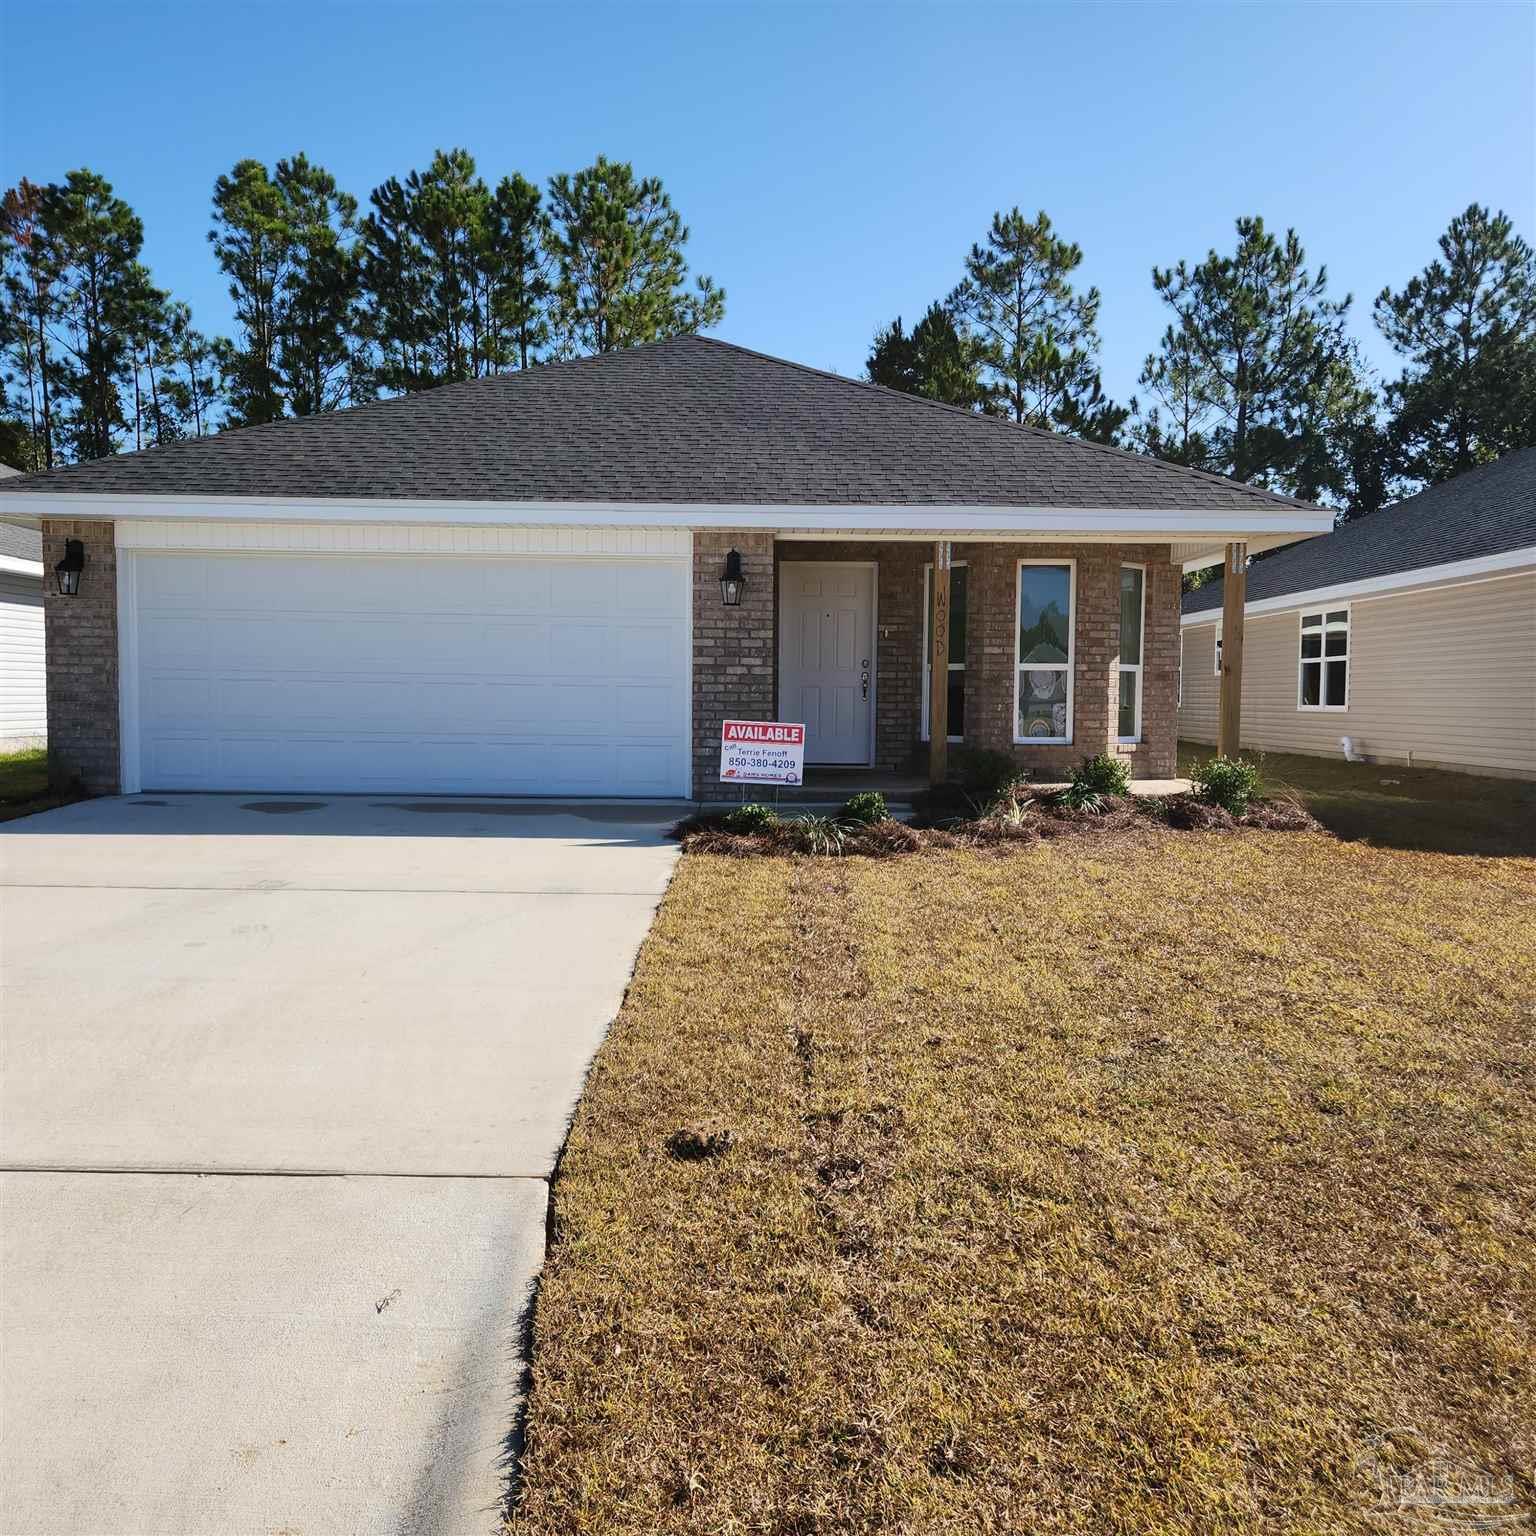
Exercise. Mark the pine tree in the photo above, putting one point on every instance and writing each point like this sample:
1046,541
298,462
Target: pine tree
935,361
1034,336
104,293
1466,326
252,242
517,259
317,349
1255,342
618,246
28,287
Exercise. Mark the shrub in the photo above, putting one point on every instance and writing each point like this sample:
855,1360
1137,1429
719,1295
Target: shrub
866,808
817,834
1079,795
985,774
751,818
1105,775
1228,782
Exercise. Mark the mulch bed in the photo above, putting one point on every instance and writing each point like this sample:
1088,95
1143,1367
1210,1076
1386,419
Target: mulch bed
1026,822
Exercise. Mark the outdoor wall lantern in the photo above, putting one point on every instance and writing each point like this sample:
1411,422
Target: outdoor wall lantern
67,572
732,581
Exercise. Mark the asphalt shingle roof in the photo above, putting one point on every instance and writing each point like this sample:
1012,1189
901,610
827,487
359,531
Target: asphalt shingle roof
1487,511
685,420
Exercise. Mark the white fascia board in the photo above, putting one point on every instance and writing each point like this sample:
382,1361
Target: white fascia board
1145,525
11,566
1511,563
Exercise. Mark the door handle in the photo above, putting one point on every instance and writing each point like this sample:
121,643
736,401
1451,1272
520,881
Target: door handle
864,684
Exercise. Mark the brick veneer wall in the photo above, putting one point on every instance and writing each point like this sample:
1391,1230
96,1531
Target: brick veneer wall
733,648
80,643
734,675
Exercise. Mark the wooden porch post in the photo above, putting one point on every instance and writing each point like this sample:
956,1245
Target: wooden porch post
938,661
1234,596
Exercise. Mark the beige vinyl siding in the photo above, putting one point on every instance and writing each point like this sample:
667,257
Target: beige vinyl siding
1448,675
23,707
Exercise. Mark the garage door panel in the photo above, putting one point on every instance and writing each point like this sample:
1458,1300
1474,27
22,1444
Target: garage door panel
522,675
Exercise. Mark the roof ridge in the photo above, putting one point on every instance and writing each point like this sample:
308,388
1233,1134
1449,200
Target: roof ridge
1177,470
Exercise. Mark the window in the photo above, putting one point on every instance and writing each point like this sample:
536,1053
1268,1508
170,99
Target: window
956,649
1043,677
1323,666
1133,604
1179,696
1217,668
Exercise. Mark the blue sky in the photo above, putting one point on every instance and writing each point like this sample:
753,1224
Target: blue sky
835,161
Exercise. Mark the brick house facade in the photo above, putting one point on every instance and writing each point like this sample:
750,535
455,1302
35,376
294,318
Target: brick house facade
735,650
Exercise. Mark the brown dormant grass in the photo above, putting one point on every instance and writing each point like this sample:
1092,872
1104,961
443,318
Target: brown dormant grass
1128,1185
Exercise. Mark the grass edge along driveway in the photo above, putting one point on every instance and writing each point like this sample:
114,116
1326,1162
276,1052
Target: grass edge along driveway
1134,1185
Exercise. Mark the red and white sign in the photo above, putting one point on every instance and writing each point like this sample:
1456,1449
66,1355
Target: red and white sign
762,752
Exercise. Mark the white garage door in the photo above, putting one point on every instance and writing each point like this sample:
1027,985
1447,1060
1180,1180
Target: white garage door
508,675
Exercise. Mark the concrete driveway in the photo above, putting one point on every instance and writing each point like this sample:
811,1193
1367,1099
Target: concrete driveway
283,1083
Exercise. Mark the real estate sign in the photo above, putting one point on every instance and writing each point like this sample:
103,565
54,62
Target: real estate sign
762,752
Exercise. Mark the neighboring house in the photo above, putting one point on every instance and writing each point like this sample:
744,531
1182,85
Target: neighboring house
23,709
1412,632
513,585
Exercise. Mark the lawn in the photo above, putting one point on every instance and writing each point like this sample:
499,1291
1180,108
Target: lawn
1134,1184
24,784
1421,808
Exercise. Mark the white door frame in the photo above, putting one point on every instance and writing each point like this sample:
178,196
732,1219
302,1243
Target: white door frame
873,567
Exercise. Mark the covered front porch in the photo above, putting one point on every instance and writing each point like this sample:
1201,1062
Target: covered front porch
1046,651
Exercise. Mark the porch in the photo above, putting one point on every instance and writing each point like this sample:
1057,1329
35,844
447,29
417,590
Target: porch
1051,652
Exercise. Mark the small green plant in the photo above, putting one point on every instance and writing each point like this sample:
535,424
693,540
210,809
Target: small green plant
1079,795
751,817
824,835
985,774
1228,782
1104,774
866,808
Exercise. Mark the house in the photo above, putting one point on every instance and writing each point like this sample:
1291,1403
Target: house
23,713
562,581
1412,632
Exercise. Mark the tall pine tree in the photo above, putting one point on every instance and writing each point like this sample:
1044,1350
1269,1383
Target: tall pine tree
618,245
1466,328
1033,334
1255,345
935,361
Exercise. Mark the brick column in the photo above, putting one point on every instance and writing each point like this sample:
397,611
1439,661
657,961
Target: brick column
733,648
80,642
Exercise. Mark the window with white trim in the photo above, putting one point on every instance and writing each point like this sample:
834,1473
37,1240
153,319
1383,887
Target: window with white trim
957,582
1179,695
1217,668
1323,661
1133,611
1042,689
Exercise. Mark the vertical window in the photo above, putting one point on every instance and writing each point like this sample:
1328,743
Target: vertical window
956,649
1043,677
1323,664
1133,604
1179,697
1217,668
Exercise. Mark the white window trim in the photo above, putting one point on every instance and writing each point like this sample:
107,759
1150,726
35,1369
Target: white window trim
1322,660
1141,650
954,666
1216,651
1071,663
1178,698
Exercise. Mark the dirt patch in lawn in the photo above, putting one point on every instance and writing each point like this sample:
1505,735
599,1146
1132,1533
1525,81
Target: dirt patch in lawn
1129,1185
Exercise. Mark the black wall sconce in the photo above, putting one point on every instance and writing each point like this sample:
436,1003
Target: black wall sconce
67,572
732,581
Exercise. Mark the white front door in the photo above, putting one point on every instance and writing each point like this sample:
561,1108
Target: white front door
827,656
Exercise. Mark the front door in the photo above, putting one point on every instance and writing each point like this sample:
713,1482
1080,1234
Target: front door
827,656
